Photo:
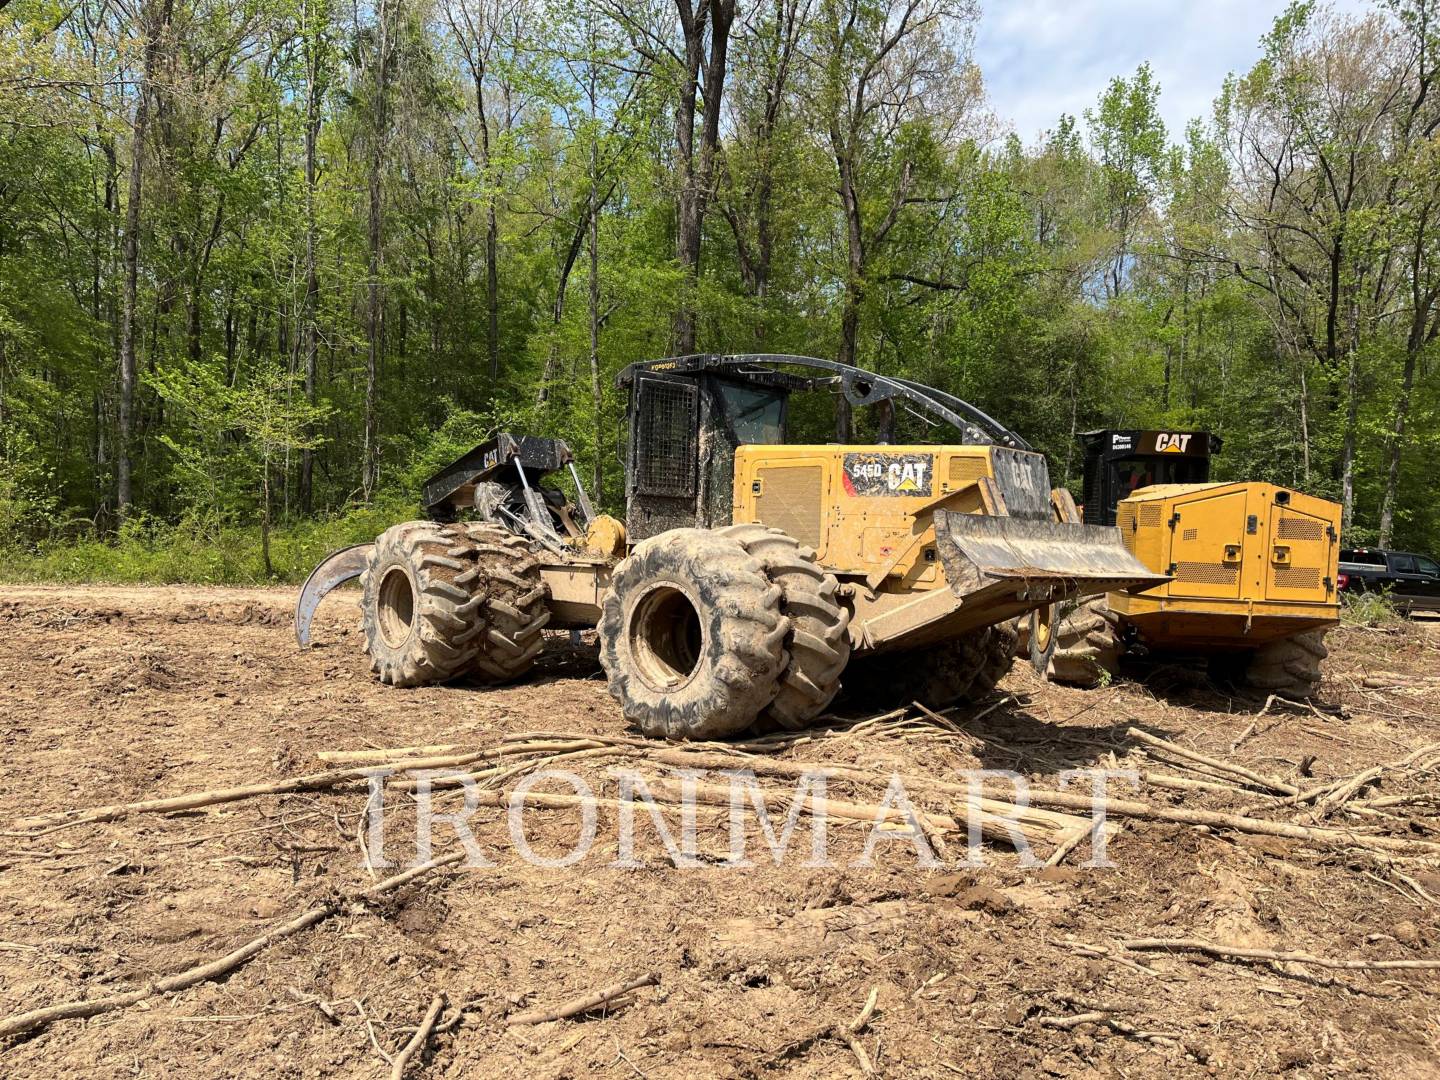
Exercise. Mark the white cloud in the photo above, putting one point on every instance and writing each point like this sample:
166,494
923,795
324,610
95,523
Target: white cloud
1042,58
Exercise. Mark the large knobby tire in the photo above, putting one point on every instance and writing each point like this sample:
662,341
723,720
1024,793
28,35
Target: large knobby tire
937,676
1290,667
818,643
1087,647
513,606
1001,644
692,638
418,614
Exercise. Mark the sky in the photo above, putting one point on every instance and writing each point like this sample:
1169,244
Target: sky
1044,57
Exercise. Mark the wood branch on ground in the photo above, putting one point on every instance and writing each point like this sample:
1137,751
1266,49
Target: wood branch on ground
380,756
1269,783
584,1003
21,1023
422,1033
1230,952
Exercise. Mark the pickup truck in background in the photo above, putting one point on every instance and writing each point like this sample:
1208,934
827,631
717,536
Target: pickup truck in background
1413,581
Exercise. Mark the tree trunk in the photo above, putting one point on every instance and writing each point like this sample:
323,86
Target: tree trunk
697,168
310,330
597,395
1422,333
265,520
131,259
1397,439
854,279
687,209
492,236
492,290
374,307
1347,452
1304,420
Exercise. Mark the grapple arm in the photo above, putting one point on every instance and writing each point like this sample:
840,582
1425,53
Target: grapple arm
334,570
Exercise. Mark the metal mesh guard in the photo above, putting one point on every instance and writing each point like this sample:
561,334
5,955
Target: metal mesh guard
1300,528
1297,577
666,443
1208,573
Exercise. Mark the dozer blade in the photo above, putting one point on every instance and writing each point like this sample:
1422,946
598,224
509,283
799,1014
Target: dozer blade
334,570
1006,560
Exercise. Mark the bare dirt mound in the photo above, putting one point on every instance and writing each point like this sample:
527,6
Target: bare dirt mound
118,695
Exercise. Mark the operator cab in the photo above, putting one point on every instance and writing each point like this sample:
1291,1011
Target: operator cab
1119,463
688,415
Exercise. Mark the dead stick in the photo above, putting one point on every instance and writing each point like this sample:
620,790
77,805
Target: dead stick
992,826
310,782
1071,1021
1342,793
195,800
402,1059
578,1005
1048,819
1229,951
1185,783
1067,845
1328,837
1235,745
1269,782
74,1010
357,757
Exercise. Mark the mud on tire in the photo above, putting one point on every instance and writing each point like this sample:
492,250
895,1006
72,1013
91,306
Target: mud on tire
512,608
692,637
1087,649
818,642
1290,667
419,618
1001,644
937,676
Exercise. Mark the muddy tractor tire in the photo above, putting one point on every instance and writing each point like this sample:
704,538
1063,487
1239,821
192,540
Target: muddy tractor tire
818,642
1001,644
418,614
1087,647
513,607
1290,667
937,676
692,636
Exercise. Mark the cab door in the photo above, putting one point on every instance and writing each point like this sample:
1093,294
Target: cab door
1299,555
1208,543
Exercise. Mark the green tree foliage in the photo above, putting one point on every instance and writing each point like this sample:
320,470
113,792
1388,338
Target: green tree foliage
284,257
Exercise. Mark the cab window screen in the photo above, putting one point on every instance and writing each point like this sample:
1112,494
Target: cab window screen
755,415
665,438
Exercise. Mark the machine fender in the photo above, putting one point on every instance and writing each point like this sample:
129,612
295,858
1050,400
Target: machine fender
334,570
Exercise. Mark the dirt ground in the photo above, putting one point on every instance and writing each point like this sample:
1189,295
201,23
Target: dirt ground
112,695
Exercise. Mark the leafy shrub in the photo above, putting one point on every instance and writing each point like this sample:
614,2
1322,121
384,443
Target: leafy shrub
200,551
1369,609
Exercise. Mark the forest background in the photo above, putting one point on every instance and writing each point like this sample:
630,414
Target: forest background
265,264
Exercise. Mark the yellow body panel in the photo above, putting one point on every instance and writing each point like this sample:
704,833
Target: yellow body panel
862,508
1250,563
